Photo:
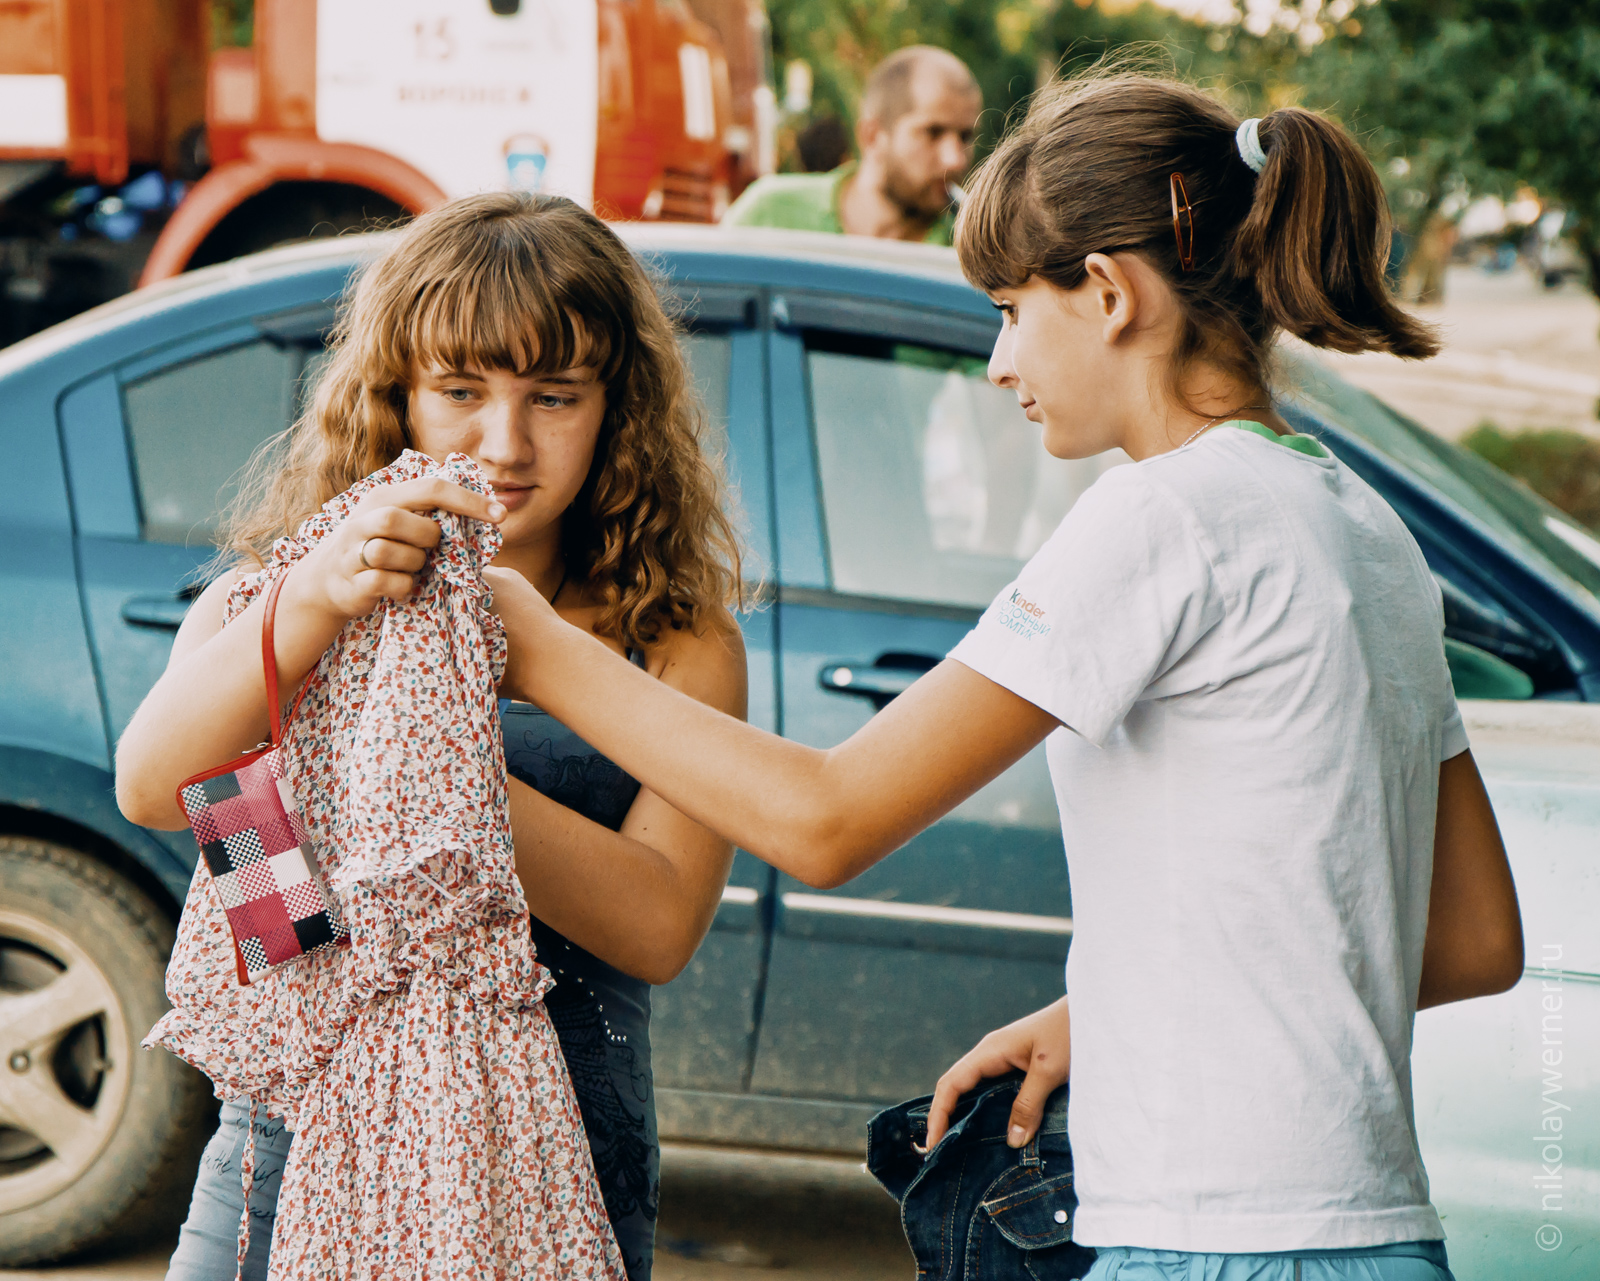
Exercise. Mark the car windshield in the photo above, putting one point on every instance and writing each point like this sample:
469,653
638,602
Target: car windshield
1562,547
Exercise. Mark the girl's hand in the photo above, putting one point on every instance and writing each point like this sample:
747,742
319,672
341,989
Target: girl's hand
522,608
1039,1044
378,551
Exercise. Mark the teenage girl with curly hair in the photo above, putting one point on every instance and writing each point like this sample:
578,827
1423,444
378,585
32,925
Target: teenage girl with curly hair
522,332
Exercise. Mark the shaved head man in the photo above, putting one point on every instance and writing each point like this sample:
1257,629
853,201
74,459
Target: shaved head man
919,111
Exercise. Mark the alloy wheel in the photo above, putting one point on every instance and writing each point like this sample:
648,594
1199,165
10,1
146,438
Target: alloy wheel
65,1060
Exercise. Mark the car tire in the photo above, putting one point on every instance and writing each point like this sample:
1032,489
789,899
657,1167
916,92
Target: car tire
99,1140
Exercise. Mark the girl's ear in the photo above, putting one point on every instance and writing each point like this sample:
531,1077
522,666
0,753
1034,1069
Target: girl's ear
1113,295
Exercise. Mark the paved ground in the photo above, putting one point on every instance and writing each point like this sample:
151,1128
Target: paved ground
1515,353
726,1214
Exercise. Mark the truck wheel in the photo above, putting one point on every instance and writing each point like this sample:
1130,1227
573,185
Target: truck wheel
290,211
99,1140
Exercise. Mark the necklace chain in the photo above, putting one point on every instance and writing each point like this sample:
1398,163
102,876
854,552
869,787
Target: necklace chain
1219,418
1203,426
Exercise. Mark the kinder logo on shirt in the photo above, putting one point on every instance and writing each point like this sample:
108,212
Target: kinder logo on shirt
1018,614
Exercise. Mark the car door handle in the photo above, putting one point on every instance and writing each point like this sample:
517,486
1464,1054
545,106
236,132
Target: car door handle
881,681
868,682
162,612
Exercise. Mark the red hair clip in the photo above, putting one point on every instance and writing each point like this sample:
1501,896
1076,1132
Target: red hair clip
1182,211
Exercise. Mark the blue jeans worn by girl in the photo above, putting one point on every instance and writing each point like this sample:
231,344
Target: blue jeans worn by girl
1407,1261
208,1247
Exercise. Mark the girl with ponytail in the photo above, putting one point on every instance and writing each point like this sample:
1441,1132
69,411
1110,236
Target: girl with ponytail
1278,843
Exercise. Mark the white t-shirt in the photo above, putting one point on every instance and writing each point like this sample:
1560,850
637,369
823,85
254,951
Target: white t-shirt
1244,645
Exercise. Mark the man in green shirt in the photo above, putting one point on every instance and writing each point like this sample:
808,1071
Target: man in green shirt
919,111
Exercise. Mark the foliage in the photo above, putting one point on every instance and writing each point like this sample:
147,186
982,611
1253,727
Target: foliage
1560,466
1474,95
1451,97
1012,46
232,23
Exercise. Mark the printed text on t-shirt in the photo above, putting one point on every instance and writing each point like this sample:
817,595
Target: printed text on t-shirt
1019,614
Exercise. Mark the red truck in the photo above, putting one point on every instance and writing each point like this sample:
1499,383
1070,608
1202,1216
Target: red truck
131,151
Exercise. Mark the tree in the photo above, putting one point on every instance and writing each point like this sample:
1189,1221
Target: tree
1476,95
1012,46
232,22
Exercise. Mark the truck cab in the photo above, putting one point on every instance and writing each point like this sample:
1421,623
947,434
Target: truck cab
131,151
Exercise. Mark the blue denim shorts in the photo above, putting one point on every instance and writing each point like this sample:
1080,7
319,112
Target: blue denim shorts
1408,1261
208,1247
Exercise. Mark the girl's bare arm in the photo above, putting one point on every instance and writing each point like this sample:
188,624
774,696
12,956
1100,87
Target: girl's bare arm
1474,945
821,816
640,899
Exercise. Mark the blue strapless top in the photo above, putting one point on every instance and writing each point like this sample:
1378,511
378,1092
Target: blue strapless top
601,1015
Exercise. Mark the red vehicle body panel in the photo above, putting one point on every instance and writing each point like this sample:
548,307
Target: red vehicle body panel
137,77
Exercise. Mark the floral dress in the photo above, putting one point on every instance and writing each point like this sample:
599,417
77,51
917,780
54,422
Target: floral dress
436,1130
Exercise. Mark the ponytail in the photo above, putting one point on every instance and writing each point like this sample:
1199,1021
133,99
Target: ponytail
1316,241
1300,247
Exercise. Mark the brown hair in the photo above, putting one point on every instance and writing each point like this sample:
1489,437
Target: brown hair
530,284
1300,247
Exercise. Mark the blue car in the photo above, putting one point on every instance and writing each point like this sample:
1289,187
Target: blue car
887,492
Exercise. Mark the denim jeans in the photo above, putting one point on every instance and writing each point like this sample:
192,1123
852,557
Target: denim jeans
209,1245
973,1207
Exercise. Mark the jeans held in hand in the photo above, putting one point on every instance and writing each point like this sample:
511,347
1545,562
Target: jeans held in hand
974,1207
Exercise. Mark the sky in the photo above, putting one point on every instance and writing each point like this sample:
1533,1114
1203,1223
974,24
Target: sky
1259,16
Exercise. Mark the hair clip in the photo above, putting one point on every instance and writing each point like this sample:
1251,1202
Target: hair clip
1182,211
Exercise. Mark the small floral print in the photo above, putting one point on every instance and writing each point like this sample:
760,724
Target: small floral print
436,1132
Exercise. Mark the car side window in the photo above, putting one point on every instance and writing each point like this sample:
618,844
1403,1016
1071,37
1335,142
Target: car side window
935,486
192,427
710,356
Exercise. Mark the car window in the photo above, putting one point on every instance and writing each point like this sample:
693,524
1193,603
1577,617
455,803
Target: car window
710,355
935,486
1515,512
191,427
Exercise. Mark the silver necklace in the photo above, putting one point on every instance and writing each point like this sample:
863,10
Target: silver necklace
1203,426
1219,418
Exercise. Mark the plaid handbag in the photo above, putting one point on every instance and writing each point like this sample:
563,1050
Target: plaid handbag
245,820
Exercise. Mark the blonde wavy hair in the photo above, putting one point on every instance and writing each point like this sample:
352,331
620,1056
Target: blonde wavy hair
529,284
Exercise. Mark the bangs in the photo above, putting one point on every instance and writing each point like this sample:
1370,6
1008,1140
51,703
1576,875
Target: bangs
497,303
530,285
995,240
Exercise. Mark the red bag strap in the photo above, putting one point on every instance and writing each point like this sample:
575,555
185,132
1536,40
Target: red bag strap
269,664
